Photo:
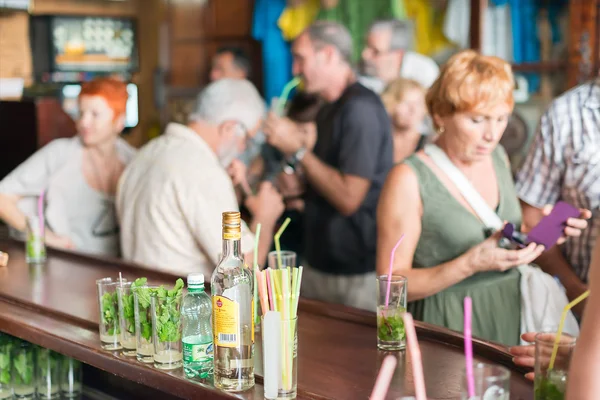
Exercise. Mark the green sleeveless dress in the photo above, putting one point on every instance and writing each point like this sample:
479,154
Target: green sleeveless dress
448,231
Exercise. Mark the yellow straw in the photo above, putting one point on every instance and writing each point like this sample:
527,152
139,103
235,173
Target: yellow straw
277,237
255,274
563,317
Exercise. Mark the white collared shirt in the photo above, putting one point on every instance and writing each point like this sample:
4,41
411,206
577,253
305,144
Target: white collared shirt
170,200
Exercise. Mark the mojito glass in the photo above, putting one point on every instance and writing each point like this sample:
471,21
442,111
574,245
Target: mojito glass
551,384
166,329
71,378
126,319
390,325
288,259
23,373
491,382
6,344
48,374
108,305
143,324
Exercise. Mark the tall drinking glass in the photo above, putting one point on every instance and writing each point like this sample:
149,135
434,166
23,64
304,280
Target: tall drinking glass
6,389
35,247
166,330
23,373
71,377
48,374
108,305
492,382
288,381
143,324
288,259
390,325
126,319
551,384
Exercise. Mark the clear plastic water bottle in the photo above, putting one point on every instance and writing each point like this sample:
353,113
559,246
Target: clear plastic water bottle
197,339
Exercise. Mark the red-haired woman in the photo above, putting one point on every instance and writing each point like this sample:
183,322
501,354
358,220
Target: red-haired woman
78,175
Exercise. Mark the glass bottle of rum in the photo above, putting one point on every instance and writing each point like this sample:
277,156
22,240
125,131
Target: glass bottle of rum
231,290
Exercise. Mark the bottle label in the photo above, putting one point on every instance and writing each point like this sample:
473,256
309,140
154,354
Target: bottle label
232,235
226,316
197,352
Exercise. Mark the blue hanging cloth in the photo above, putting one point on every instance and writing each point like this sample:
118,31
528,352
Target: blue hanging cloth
276,55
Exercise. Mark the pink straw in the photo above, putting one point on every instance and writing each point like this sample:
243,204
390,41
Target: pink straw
41,213
469,347
415,355
382,383
387,294
270,290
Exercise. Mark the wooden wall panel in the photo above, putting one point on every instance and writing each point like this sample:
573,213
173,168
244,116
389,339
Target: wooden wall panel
190,63
89,7
189,21
232,18
583,41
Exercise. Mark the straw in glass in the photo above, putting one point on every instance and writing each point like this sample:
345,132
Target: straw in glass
255,268
40,210
561,325
278,238
387,293
469,346
415,355
285,93
382,383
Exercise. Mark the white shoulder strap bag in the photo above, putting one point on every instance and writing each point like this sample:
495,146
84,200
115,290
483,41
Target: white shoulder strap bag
542,299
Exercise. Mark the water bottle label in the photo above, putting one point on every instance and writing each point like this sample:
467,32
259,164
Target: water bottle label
197,352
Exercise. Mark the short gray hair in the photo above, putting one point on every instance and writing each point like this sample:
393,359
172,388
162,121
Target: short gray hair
402,32
230,99
327,33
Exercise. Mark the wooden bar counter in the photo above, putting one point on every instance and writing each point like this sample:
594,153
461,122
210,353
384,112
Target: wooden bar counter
55,306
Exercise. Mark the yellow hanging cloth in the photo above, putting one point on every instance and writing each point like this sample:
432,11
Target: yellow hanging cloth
294,20
429,25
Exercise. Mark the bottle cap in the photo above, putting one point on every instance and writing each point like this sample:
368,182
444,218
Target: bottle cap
195,279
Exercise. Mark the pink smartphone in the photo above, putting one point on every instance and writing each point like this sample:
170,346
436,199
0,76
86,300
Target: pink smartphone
551,227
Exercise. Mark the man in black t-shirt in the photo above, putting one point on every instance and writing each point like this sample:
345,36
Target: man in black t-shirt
344,172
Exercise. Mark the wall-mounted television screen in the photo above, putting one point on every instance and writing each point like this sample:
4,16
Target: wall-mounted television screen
84,44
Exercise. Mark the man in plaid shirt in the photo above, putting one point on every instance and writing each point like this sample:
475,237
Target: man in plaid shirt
564,164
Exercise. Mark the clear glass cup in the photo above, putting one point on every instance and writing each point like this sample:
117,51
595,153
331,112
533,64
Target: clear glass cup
491,382
35,246
288,259
288,382
71,378
390,325
6,345
126,319
48,374
23,370
551,384
275,108
108,306
143,324
166,331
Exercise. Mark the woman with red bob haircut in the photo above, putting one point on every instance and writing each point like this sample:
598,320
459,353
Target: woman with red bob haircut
78,176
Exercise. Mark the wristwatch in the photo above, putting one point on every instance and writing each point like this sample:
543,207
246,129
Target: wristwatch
299,155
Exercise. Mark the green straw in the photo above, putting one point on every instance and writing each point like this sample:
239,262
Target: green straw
285,94
255,269
277,237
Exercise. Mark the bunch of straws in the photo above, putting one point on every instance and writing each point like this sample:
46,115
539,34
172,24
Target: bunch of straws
279,290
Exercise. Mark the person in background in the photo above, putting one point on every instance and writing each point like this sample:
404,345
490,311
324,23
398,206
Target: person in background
563,164
230,62
78,176
344,172
300,118
447,253
171,197
388,56
404,100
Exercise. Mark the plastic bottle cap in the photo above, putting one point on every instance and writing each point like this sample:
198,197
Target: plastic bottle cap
195,279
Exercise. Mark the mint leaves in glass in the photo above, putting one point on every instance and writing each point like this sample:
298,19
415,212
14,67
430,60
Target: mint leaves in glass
143,320
551,384
166,326
22,370
47,374
390,308
6,345
109,319
127,315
